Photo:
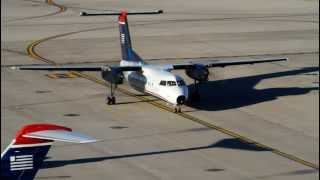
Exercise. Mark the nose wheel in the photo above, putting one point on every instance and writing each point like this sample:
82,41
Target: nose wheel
177,109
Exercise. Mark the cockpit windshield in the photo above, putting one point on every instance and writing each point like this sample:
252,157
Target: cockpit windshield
163,83
171,83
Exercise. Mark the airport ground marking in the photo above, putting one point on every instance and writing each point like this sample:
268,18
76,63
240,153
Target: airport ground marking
61,8
32,53
50,3
61,75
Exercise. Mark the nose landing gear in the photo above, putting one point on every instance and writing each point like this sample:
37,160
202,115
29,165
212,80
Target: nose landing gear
180,101
177,109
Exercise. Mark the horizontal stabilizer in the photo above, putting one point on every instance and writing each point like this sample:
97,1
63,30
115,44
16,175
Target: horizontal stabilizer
61,135
160,11
25,154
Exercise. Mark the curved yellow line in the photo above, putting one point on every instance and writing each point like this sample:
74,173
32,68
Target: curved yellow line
49,2
61,8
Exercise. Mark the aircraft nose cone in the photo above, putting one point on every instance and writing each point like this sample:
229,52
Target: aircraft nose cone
181,100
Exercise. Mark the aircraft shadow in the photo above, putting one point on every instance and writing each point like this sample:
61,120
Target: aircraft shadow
231,143
238,92
289,173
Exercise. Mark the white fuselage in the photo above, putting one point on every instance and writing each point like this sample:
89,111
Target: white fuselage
158,82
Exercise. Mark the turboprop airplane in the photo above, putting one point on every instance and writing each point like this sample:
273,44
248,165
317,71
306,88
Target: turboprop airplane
156,80
23,157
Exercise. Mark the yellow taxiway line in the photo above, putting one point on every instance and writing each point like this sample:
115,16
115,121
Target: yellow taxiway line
61,8
50,3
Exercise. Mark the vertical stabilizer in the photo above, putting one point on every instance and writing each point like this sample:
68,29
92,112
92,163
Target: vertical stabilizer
127,52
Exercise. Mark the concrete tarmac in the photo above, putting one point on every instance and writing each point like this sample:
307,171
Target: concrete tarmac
274,106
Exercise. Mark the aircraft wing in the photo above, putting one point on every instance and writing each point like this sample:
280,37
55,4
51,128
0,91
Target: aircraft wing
217,63
75,67
223,63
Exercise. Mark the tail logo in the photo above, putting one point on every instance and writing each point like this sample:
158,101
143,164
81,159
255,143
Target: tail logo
122,36
21,162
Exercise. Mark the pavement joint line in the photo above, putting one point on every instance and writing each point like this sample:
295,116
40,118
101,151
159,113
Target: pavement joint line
31,52
50,3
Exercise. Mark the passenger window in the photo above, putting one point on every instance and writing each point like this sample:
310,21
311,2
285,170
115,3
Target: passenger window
162,83
172,83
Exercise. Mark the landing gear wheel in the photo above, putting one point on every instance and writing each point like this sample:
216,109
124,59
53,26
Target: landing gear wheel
177,109
111,100
108,100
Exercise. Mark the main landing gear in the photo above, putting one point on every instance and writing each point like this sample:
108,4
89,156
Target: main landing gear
111,100
195,95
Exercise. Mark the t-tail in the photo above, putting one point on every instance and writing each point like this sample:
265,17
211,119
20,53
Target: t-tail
25,154
128,54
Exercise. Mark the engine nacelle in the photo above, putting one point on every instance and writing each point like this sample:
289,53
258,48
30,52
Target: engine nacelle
199,72
112,75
